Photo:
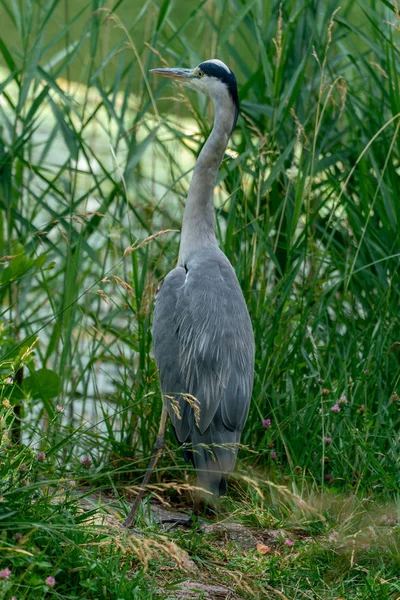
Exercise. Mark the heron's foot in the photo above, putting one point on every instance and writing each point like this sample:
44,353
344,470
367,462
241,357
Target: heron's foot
192,522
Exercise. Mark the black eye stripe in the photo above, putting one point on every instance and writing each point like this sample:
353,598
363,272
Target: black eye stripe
227,77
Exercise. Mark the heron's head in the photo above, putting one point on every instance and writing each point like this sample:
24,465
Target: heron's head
211,77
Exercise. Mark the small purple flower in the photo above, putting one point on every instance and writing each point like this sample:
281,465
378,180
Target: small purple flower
288,542
50,581
41,456
328,476
336,408
59,408
333,537
23,468
392,521
5,573
267,423
273,455
384,518
327,441
343,400
86,462
9,381
18,537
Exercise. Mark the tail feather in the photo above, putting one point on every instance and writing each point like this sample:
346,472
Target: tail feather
214,456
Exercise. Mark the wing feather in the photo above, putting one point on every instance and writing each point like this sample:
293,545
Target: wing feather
166,351
204,346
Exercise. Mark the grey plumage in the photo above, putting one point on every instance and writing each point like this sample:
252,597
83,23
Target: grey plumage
202,336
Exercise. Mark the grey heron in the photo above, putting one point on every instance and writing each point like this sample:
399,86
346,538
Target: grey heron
203,340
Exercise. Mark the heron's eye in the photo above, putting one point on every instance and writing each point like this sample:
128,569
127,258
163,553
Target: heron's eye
200,74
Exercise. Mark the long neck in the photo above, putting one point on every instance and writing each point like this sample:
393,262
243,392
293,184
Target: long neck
198,227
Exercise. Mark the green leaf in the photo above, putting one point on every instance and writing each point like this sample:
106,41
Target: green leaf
69,135
162,14
43,383
19,265
235,22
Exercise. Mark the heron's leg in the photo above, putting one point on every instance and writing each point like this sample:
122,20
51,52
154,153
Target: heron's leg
157,452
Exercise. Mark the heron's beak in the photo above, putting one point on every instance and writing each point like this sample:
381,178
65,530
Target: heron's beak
178,74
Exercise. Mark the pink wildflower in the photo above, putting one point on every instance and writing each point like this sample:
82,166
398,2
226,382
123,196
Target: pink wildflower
5,573
273,455
328,476
288,542
41,456
59,408
86,462
23,468
392,521
343,400
51,582
333,537
336,408
266,423
327,441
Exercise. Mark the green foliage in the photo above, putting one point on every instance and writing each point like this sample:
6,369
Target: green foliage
45,533
95,157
